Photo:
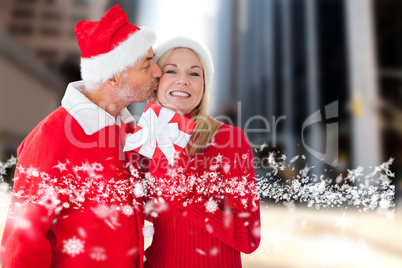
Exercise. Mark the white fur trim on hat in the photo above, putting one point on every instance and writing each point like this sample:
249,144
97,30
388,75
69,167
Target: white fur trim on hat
102,67
199,48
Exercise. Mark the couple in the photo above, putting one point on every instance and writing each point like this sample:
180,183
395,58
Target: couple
74,201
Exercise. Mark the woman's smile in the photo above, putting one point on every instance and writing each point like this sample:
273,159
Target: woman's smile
180,94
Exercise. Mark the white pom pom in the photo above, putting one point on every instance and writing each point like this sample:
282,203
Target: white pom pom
148,231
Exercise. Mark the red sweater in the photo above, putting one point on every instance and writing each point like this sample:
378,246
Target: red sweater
72,204
205,209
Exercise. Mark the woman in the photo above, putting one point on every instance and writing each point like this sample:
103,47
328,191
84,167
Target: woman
204,207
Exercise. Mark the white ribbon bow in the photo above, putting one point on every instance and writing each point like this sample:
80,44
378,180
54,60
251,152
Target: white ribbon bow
157,132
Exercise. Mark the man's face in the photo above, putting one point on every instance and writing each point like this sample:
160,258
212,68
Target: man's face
140,81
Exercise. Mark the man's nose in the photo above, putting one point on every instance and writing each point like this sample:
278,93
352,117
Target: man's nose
157,73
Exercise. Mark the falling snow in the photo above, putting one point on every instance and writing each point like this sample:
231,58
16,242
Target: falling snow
343,222
128,210
73,246
98,254
211,206
365,188
139,190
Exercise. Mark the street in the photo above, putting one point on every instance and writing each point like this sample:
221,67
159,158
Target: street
309,238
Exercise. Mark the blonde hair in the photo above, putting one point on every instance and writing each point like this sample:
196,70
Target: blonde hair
206,125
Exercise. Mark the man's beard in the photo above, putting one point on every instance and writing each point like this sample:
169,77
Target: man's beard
137,93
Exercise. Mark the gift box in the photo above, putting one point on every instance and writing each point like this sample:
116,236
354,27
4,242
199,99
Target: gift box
160,132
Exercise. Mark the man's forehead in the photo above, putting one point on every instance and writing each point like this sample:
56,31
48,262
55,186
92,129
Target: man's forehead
148,56
150,53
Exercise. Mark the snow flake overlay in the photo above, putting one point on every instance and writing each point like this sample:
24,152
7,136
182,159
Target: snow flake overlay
211,206
73,246
98,254
363,188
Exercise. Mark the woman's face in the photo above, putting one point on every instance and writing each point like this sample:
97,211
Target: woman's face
182,83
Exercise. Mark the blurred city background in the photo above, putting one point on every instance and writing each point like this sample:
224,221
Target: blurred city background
320,78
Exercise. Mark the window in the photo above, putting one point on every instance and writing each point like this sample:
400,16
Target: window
52,16
78,17
48,31
46,53
26,1
20,29
20,13
82,2
74,56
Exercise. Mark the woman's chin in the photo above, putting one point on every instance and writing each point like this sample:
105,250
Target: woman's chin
172,107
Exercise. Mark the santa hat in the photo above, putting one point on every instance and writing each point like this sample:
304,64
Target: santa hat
110,45
194,45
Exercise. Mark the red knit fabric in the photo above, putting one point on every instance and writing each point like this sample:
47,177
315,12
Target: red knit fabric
189,232
72,204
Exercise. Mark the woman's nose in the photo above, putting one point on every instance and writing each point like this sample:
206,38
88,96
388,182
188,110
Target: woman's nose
182,79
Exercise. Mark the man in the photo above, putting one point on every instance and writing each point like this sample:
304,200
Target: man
72,203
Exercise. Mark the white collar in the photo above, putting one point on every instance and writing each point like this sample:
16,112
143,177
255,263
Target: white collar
90,116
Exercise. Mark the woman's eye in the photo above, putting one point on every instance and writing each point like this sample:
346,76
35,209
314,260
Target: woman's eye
194,74
170,72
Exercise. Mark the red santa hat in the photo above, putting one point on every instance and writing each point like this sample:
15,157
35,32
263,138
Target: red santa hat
110,45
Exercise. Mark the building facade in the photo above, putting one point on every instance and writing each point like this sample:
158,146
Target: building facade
46,27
